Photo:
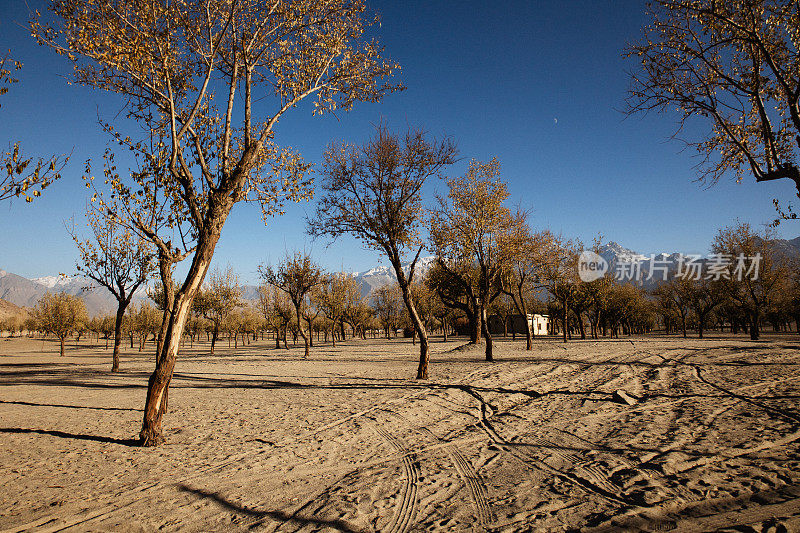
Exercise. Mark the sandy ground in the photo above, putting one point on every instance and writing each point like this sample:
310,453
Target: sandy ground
260,439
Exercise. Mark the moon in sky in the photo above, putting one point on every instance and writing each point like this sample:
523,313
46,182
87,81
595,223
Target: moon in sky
555,120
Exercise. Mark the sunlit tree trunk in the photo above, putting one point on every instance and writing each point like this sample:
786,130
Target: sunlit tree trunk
419,327
156,401
302,334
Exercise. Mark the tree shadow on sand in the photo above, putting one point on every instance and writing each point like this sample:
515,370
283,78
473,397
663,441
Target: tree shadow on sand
33,404
79,436
280,516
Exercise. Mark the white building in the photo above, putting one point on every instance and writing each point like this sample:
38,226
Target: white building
539,323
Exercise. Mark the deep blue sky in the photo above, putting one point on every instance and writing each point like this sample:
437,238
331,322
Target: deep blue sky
538,85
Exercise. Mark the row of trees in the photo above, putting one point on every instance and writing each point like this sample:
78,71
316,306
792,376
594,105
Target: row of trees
298,297
734,63
333,306
484,251
744,293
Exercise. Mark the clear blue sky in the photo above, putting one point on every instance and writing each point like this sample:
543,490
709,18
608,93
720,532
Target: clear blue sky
537,84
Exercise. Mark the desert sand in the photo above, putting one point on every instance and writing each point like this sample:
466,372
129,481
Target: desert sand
703,435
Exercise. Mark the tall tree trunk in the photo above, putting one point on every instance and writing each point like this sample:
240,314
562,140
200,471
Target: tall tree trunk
566,320
151,434
214,334
302,333
158,384
165,272
528,333
475,322
62,337
419,327
486,333
444,329
117,336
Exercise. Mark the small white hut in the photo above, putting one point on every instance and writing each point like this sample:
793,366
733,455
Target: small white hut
539,323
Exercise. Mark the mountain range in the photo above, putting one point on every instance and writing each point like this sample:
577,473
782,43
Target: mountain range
24,292
655,268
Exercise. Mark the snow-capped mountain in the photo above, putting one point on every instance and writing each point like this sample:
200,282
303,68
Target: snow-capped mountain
52,282
655,268
614,252
377,277
25,292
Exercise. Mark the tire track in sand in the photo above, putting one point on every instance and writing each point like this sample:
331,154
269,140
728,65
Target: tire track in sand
403,519
473,481
114,503
475,485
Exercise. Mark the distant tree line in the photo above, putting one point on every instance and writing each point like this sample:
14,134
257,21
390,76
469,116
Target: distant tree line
733,64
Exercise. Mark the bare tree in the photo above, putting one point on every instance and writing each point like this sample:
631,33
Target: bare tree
373,192
200,158
736,64
297,276
117,259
